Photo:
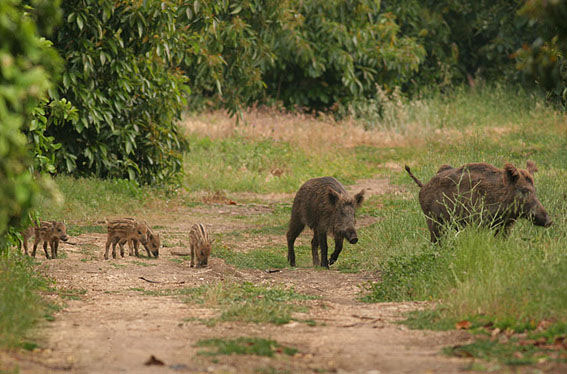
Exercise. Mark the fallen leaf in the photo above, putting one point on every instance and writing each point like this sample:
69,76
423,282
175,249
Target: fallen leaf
154,361
458,351
463,325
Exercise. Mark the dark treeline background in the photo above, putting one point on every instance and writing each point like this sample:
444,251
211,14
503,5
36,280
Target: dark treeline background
97,86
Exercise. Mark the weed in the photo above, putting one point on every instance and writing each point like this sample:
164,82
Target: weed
248,303
75,230
20,303
141,263
71,293
244,346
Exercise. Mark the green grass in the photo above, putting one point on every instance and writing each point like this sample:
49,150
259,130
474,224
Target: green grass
513,282
240,164
244,302
74,230
92,199
244,346
20,303
264,258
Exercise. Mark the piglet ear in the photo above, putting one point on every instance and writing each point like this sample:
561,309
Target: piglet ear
359,198
531,166
333,196
512,174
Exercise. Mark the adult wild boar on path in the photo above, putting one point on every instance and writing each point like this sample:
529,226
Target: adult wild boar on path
324,205
483,193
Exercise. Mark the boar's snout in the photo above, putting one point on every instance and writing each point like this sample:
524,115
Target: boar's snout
351,236
540,217
64,238
542,220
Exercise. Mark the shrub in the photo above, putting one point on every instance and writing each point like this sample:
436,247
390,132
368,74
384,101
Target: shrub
121,74
26,62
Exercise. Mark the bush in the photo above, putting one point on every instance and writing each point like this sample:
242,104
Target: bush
337,51
121,74
26,62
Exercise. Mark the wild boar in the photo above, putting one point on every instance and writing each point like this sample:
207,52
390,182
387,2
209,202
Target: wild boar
481,193
324,205
122,230
49,232
152,245
200,245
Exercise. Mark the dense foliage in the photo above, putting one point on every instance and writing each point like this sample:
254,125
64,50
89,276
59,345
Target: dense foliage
229,47
465,40
338,51
26,62
122,79
546,57
128,66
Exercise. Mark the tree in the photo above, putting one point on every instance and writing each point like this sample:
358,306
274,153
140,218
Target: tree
546,57
26,65
122,75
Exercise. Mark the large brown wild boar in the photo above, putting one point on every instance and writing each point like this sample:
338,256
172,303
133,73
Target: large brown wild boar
122,230
324,205
481,193
48,232
200,245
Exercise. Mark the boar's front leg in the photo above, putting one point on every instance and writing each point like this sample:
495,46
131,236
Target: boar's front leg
45,249
322,237
315,250
35,243
338,248
54,247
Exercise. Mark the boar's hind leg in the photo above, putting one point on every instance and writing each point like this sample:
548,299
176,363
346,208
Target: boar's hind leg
114,242
295,228
314,250
338,248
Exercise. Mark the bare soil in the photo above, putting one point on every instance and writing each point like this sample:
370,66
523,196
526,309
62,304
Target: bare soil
112,327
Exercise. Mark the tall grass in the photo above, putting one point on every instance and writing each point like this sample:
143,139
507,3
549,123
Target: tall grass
20,303
91,199
514,280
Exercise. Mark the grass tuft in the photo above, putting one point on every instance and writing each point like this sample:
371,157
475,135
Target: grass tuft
244,346
20,303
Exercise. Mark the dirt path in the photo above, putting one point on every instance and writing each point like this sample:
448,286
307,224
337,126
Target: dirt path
109,326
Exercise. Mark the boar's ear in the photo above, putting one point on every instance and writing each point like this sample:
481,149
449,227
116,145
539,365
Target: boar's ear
512,174
531,166
359,198
333,196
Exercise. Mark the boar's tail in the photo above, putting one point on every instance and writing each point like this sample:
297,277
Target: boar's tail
413,177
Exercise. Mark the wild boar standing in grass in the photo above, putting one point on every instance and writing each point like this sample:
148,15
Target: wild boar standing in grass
47,232
324,205
200,245
480,193
122,230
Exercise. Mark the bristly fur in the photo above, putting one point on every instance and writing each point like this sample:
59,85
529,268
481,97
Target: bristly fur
200,245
